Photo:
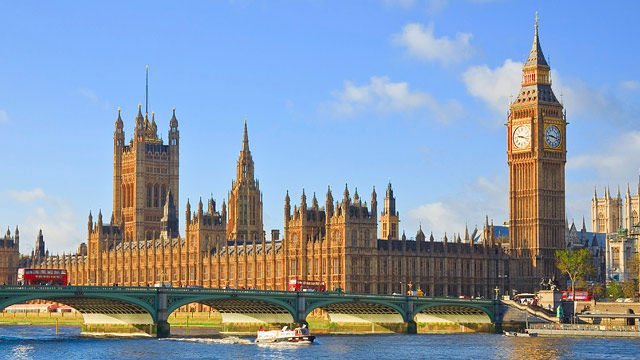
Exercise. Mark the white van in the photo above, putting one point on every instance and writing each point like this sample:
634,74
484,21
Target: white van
162,285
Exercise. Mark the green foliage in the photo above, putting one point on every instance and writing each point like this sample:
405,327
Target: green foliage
614,290
577,264
630,289
597,291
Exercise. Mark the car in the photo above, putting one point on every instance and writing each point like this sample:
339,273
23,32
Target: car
162,285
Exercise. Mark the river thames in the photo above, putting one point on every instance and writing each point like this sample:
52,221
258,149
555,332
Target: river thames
40,342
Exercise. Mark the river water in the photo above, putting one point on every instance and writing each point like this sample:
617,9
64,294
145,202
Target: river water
40,342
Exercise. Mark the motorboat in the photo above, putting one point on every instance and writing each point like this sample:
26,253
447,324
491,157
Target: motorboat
298,335
518,334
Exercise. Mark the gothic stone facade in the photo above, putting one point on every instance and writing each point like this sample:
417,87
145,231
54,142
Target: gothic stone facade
336,243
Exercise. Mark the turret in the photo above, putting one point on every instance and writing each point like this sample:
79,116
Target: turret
224,212
139,131
345,195
170,219
174,134
329,203
303,201
187,213
314,202
287,207
374,203
420,234
211,206
118,135
90,223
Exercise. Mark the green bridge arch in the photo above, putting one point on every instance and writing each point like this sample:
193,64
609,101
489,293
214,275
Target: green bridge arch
148,304
318,304
177,301
420,307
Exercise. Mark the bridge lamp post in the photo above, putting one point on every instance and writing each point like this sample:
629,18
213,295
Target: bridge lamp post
410,285
497,293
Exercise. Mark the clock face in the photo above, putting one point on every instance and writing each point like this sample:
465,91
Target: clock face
552,136
522,136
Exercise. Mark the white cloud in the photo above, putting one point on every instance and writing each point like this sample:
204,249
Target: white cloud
52,214
630,85
94,98
494,86
400,3
479,198
616,161
422,43
436,6
384,96
27,196
4,117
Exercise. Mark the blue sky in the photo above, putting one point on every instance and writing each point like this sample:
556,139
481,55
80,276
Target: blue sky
335,92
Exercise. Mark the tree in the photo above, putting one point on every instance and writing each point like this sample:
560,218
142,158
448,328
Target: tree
577,264
630,289
597,291
614,290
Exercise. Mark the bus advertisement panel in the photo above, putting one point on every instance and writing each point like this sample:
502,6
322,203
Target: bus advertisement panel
581,295
306,285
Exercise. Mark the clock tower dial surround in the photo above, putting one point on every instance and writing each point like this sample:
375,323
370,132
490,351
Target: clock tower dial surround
536,175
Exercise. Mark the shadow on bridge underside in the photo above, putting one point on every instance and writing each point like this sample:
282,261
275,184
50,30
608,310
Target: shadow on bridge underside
360,312
96,310
237,310
452,314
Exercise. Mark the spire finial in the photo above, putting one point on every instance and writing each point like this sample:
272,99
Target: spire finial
536,18
245,136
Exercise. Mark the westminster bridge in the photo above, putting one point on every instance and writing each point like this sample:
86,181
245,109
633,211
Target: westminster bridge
147,309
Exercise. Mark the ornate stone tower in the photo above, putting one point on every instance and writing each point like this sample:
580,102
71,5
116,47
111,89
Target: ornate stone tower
9,257
606,212
143,173
536,152
389,218
245,199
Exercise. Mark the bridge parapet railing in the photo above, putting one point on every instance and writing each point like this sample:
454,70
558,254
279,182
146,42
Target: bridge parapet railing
584,327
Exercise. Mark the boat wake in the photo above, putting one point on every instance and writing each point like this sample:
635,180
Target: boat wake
231,340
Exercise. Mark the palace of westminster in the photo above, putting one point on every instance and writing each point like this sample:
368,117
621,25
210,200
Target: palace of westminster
346,241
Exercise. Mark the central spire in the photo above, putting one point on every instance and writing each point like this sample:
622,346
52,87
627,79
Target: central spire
245,137
245,162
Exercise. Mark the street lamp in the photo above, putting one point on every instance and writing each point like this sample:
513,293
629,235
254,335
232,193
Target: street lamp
497,292
410,285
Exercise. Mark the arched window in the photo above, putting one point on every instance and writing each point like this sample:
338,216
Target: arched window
149,195
163,195
354,238
156,195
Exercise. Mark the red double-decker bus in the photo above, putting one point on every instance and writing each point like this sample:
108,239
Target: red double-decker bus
306,285
581,295
57,277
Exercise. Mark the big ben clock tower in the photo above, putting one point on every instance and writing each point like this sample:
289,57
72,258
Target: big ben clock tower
536,152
